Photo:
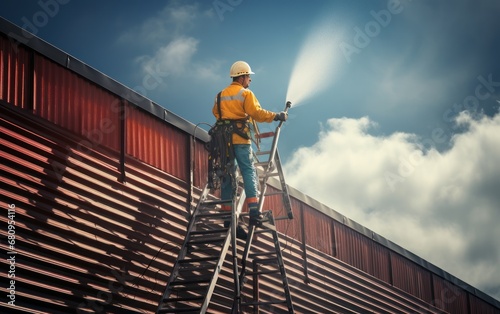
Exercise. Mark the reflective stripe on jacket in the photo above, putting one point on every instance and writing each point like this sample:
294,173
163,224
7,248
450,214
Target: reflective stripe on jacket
239,103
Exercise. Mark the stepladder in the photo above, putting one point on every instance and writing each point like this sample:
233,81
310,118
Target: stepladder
215,271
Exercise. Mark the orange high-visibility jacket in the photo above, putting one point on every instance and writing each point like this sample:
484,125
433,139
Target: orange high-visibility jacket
239,103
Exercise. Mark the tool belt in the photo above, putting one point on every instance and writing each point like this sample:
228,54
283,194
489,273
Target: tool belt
237,127
221,152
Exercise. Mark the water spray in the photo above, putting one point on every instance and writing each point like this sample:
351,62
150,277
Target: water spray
317,64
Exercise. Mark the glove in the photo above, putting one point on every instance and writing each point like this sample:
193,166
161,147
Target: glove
282,116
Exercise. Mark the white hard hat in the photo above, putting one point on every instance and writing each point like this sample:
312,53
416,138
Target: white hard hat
240,68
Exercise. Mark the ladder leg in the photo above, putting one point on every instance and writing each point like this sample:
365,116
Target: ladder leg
285,196
284,278
273,259
234,226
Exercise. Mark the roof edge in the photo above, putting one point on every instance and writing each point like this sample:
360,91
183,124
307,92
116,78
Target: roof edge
19,36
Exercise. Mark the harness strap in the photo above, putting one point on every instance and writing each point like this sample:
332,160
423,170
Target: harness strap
218,105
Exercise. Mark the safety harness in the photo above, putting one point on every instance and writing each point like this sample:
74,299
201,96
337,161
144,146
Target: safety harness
221,152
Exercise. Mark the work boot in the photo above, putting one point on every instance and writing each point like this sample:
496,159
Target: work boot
240,232
255,215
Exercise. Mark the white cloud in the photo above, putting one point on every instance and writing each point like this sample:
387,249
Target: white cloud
173,58
443,207
174,50
174,20
176,59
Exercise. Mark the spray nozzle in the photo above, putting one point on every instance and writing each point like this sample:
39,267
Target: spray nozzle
288,104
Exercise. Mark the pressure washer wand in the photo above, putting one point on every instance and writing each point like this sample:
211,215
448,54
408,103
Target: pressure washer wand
277,132
288,105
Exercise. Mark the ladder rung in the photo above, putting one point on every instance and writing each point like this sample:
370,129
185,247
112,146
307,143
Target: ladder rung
263,303
263,272
263,164
207,241
198,259
189,281
181,310
257,254
191,298
197,268
266,134
178,289
214,215
215,202
211,231
265,261
263,152
207,250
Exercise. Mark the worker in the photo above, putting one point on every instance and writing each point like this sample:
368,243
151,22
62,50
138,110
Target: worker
238,103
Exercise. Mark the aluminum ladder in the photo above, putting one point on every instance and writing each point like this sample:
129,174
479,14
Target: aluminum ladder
196,270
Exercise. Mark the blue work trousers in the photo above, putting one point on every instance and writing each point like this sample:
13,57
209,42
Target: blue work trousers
244,160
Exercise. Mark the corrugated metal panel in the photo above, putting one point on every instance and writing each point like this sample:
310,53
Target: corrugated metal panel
291,228
361,252
14,69
74,103
318,230
83,240
156,143
353,248
448,297
478,306
381,267
411,278
200,164
336,287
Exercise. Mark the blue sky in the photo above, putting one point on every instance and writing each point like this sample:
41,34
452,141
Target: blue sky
398,118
